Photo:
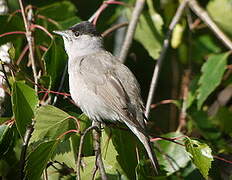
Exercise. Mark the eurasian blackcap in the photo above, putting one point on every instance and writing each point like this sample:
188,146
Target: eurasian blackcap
103,87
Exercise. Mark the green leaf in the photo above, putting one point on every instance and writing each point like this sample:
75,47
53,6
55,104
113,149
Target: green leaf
65,153
212,73
64,8
38,159
50,123
24,102
223,119
125,143
223,15
192,94
55,59
5,139
201,155
148,32
110,158
179,157
204,124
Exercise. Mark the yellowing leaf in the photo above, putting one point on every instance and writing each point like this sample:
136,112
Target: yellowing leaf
201,155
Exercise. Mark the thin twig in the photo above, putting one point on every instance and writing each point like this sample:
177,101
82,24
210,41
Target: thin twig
104,5
26,139
22,54
203,15
153,85
30,42
131,29
184,94
113,28
97,149
10,33
78,164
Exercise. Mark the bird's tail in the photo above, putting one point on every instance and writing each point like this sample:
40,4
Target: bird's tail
146,142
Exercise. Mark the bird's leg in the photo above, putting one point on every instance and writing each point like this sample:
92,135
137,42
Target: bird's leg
97,149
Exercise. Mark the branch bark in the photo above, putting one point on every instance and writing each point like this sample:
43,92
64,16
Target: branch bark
131,29
80,150
27,22
166,42
97,149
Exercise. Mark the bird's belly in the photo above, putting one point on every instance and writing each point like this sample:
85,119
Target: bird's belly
89,102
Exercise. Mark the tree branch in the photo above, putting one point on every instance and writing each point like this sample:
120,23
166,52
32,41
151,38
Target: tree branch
131,29
78,164
203,15
97,149
153,85
27,21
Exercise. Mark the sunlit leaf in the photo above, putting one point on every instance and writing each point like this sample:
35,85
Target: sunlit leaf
50,123
38,159
212,73
110,159
201,155
24,101
177,35
148,34
172,157
221,12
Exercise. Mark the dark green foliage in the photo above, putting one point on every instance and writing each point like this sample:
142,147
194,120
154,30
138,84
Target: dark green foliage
199,98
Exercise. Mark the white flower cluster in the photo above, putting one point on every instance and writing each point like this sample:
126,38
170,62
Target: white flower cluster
4,57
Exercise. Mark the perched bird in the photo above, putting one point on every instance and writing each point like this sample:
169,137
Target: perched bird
103,87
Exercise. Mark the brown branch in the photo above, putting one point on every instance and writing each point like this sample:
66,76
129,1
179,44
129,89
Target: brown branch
131,29
184,94
166,42
97,149
27,21
203,15
78,164
104,5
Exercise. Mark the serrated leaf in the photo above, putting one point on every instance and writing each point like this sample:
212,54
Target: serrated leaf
148,32
201,155
5,139
50,123
179,157
24,102
37,160
212,73
64,153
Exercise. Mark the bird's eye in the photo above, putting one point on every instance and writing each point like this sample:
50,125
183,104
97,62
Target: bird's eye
76,33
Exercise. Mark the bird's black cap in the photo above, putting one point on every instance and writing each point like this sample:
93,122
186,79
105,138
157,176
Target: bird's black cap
85,27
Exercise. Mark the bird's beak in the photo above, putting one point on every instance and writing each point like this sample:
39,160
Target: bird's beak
61,33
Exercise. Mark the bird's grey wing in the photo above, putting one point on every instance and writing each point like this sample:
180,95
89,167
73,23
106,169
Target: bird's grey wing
102,75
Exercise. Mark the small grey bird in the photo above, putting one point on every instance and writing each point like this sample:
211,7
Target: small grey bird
103,87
